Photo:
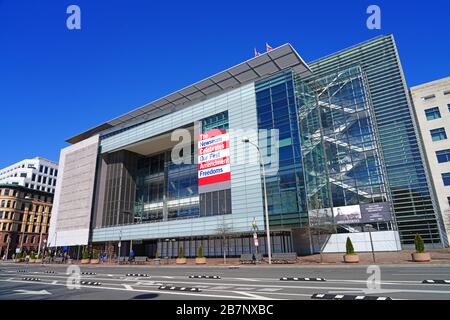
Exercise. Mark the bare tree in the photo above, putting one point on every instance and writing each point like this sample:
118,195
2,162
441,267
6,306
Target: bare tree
223,229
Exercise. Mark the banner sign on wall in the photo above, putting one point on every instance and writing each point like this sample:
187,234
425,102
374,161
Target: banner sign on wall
375,212
213,157
364,213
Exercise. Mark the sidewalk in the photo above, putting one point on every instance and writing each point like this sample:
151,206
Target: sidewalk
438,256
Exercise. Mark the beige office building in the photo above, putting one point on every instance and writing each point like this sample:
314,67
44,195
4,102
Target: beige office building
432,108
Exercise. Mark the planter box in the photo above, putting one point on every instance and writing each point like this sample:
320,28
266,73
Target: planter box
421,256
200,260
157,262
181,261
95,261
32,261
351,258
85,261
18,260
38,261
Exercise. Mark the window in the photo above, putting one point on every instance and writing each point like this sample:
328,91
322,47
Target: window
23,175
432,113
33,177
446,92
448,106
446,178
448,199
426,98
438,134
40,168
443,156
51,171
45,170
39,179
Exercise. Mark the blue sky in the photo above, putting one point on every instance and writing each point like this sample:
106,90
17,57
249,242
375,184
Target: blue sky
55,83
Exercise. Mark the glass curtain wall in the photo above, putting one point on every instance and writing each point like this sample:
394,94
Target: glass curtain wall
340,153
276,109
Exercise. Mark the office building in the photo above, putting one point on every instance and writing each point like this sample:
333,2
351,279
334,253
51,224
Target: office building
336,137
37,174
432,107
24,219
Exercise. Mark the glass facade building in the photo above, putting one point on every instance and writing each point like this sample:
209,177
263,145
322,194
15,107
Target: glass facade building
342,132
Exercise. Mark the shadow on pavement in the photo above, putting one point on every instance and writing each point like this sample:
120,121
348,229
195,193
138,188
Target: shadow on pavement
145,296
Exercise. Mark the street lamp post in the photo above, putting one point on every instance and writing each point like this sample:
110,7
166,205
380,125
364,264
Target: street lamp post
40,235
255,235
269,247
8,241
371,242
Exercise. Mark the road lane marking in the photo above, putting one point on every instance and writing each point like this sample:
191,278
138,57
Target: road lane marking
32,292
252,295
159,292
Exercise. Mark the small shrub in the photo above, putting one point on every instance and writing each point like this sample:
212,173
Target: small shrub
181,253
200,252
349,247
95,254
85,254
157,255
32,255
419,244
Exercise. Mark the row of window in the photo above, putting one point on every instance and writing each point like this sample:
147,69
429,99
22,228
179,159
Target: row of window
29,166
48,170
15,193
41,188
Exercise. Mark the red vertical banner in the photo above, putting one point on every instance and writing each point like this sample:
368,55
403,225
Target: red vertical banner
213,157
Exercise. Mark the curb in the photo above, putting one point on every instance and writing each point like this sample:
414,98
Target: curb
89,283
172,288
436,281
31,279
302,279
347,297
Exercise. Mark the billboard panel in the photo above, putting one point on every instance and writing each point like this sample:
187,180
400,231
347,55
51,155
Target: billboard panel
213,159
347,214
375,212
364,213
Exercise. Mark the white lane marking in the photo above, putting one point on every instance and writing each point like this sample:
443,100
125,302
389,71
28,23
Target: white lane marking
419,274
244,288
251,295
246,279
127,286
32,292
158,291
54,281
269,289
216,287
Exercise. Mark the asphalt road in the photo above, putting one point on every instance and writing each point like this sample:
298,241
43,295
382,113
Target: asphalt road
244,282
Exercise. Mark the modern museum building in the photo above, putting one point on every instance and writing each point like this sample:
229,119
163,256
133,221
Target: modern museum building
336,138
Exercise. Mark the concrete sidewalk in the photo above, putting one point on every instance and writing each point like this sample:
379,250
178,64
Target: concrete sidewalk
438,256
